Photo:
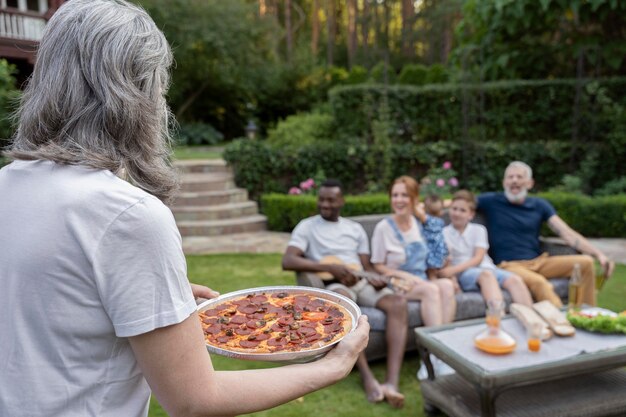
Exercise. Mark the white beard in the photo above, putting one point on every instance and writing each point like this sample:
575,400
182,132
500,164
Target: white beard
516,198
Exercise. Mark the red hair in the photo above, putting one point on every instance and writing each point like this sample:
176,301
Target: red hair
412,187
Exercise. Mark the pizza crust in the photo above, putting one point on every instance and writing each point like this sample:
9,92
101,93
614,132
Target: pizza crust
274,322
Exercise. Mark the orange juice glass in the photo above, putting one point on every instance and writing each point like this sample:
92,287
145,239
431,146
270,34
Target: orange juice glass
534,345
495,311
534,336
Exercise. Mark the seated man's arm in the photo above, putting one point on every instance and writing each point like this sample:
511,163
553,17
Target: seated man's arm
294,260
578,242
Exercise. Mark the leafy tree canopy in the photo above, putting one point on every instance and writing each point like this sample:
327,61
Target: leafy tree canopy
221,50
503,39
9,95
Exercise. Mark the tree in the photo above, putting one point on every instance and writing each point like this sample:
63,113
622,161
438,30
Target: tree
542,39
223,52
352,31
315,27
331,29
408,16
288,30
9,95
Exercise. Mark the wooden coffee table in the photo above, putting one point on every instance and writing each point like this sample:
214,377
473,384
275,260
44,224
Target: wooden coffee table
559,380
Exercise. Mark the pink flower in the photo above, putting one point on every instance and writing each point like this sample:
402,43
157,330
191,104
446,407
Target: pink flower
447,165
441,182
307,185
295,190
453,182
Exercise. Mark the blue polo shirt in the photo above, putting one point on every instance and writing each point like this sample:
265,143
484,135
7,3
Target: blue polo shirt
514,228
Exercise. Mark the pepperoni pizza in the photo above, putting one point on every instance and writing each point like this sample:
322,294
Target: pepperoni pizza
274,322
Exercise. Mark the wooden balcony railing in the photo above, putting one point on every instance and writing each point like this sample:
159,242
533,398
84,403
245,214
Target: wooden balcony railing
24,26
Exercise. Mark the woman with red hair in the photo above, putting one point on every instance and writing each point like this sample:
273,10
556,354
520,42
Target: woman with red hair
399,249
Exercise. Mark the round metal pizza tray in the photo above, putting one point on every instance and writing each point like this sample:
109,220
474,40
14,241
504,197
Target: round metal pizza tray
290,357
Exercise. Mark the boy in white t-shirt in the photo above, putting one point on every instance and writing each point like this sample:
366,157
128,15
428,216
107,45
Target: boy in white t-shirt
469,261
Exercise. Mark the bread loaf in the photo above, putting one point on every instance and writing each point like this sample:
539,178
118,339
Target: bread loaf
527,316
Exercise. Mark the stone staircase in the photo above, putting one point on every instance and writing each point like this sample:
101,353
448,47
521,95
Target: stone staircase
210,204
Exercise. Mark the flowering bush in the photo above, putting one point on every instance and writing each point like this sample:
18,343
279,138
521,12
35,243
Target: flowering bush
306,187
439,180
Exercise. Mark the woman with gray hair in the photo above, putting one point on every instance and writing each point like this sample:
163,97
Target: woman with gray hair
97,310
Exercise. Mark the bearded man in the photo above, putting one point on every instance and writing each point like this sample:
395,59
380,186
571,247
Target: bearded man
514,222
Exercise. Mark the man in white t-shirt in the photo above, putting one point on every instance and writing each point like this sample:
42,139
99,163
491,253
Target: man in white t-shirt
468,245
328,235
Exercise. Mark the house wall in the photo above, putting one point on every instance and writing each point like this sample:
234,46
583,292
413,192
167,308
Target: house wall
22,23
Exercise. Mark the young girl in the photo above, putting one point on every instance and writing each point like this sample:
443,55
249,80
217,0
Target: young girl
433,226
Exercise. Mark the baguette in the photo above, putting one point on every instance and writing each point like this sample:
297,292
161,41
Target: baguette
527,316
555,318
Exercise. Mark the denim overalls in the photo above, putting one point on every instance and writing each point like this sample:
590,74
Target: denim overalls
416,252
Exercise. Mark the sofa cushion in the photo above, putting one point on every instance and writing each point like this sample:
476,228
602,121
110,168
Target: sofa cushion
469,305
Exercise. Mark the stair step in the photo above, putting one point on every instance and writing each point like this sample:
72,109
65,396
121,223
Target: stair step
222,227
211,198
201,165
190,182
217,212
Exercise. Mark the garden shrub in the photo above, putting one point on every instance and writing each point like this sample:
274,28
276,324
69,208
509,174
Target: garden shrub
257,167
418,74
9,95
503,111
285,211
382,70
197,133
318,81
592,217
301,130
262,168
533,121
357,75
413,74
616,186
437,74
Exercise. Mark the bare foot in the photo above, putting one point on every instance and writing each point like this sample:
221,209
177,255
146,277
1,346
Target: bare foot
393,396
373,390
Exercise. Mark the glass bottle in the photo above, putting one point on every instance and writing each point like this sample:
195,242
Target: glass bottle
493,339
575,289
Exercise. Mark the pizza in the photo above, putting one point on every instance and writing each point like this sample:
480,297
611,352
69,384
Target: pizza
267,322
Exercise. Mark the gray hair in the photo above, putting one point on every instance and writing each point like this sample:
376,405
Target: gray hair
96,95
523,165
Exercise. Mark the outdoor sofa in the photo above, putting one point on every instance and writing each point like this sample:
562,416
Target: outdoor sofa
469,305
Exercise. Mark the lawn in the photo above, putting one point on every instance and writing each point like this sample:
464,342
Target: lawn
227,273
197,152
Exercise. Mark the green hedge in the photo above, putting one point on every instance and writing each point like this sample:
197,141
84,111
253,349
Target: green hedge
285,211
197,133
479,128
262,168
504,111
592,217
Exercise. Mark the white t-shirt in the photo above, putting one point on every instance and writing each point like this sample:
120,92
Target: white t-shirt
463,245
387,249
86,260
317,238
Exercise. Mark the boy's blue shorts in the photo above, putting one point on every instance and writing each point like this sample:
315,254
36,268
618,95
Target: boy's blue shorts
468,278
